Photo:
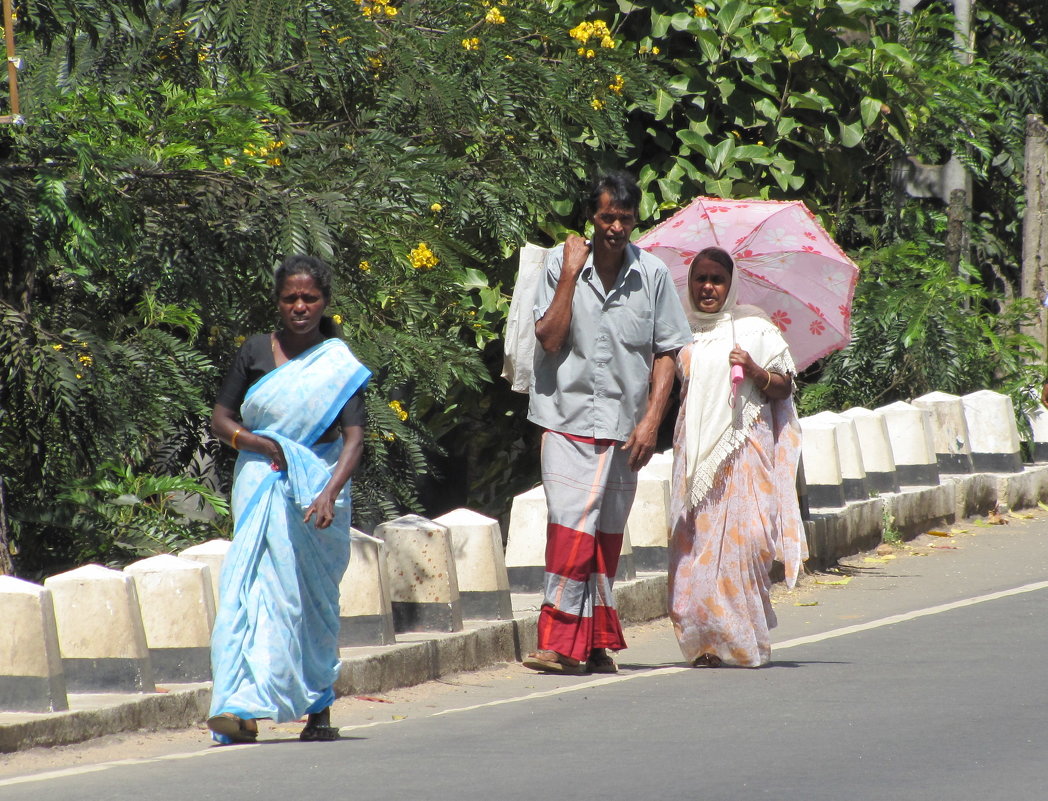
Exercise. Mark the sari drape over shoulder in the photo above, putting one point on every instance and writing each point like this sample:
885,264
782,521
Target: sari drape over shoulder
274,649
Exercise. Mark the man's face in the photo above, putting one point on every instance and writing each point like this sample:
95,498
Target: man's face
612,225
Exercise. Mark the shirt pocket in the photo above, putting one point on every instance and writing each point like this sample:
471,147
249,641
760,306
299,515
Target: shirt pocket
633,328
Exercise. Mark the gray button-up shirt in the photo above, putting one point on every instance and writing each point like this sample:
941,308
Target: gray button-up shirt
596,385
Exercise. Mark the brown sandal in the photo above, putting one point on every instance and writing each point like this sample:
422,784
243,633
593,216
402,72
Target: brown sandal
552,662
227,729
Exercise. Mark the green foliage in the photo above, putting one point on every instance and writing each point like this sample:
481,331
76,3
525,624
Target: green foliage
918,327
117,515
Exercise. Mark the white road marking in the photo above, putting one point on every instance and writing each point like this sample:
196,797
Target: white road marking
614,679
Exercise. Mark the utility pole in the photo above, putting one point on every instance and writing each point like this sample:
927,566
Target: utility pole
1034,283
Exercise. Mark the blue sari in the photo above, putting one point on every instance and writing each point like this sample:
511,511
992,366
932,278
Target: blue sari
274,648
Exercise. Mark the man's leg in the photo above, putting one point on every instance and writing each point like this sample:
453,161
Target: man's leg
578,612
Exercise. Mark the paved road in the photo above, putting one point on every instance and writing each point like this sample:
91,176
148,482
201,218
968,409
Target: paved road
922,678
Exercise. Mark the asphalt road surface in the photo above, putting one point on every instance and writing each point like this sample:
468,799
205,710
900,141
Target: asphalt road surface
923,675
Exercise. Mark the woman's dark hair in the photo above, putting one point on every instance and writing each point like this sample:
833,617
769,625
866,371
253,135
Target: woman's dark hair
301,264
621,188
718,255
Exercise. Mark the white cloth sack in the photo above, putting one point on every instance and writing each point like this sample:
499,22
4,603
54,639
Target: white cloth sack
519,345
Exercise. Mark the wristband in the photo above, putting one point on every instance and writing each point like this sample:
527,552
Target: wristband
233,440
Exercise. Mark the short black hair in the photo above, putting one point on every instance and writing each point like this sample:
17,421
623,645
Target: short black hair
718,255
620,186
300,264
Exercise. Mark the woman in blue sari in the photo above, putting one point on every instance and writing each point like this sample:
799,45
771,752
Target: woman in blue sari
292,405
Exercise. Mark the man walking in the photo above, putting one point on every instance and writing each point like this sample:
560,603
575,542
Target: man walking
608,322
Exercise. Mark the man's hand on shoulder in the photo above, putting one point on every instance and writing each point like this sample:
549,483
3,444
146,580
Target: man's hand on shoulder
576,251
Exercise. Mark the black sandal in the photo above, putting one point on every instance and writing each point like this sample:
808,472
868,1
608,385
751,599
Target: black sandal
319,729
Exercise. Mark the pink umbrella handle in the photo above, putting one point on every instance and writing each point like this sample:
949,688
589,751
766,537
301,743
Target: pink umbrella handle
736,377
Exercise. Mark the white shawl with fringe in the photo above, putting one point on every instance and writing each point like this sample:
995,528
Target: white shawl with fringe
715,425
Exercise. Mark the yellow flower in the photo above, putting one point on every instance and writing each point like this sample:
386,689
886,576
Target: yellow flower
276,161
336,319
364,266
597,103
85,359
399,410
494,16
655,51
607,41
590,54
471,44
79,376
422,258
642,49
227,161
240,340
389,436
436,208
581,51
700,11
56,347
617,84
584,31
390,11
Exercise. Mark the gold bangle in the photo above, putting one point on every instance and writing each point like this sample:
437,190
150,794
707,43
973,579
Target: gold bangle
770,374
233,440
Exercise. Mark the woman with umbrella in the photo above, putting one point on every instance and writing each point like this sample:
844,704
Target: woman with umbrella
736,448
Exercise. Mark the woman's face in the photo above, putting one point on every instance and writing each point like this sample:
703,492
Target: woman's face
708,283
301,304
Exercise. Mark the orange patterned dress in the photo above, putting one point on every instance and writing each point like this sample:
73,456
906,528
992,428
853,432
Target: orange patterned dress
722,550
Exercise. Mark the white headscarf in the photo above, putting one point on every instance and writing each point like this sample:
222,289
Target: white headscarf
716,428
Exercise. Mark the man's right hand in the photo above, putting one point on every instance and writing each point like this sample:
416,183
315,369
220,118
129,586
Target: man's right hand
576,251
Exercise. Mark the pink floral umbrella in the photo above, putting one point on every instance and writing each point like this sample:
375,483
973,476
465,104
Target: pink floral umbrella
789,266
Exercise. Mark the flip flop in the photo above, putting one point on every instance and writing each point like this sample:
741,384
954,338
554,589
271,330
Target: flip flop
227,728
536,662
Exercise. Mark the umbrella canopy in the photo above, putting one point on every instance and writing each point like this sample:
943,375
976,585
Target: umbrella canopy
787,264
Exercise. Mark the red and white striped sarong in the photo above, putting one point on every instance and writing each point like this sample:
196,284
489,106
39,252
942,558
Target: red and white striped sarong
589,490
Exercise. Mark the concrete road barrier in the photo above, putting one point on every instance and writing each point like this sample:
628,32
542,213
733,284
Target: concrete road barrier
877,458
822,464
994,433
365,606
100,631
480,563
177,603
953,449
423,582
526,541
31,675
910,434
212,553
